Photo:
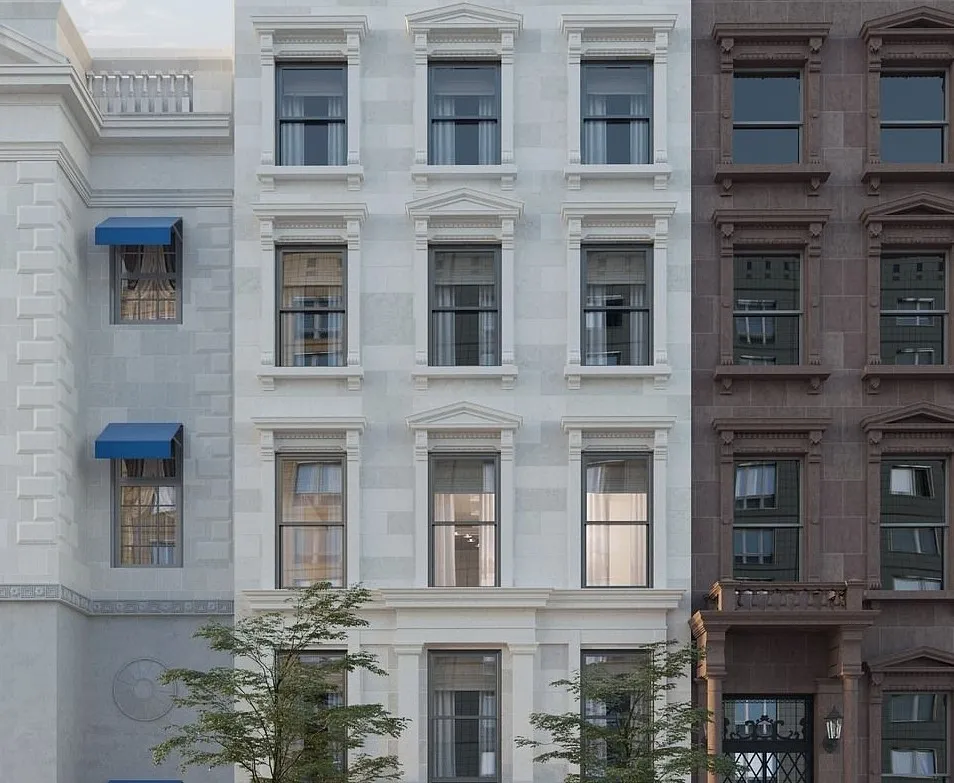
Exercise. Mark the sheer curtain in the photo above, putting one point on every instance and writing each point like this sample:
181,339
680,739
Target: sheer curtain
616,554
616,279
616,91
293,133
488,513
487,135
296,97
149,286
464,280
337,132
443,133
452,504
459,96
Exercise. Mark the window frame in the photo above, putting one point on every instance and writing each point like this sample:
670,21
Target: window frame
496,65
943,125
118,482
329,653
885,717
283,66
436,456
798,126
944,314
648,65
116,278
764,314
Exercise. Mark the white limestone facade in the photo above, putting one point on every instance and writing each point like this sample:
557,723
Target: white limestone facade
84,630
374,398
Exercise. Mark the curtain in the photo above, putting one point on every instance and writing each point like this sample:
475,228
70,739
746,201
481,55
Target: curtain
753,481
148,289
465,280
616,279
445,344
616,552
293,133
443,133
488,512
337,132
594,131
626,90
487,135
444,734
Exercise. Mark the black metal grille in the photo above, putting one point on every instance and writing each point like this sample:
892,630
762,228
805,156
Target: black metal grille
769,738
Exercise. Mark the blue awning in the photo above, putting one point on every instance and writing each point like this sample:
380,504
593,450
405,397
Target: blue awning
137,441
138,230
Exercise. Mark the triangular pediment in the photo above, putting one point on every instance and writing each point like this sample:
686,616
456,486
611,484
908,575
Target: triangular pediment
464,416
463,16
920,18
918,417
918,660
19,49
465,202
917,205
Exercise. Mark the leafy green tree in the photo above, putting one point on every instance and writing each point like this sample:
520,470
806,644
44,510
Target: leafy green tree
279,713
628,731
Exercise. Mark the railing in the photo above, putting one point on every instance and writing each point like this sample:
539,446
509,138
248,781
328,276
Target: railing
733,596
141,93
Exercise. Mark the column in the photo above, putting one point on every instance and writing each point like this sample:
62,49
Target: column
573,120
506,98
353,505
714,729
354,99
266,44
420,98
574,511
267,576
507,307
266,231
661,293
660,99
409,706
421,297
354,293
574,242
660,521
850,727
507,509
522,659
421,505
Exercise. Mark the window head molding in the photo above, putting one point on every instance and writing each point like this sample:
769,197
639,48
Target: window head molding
619,36
922,222
793,45
607,222
314,434
464,216
919,38
288,224
752,230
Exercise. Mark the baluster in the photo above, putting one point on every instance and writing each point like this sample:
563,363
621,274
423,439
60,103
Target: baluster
117,91
187,88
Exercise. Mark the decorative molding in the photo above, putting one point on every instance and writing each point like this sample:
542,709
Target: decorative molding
463,417
58,593
138,694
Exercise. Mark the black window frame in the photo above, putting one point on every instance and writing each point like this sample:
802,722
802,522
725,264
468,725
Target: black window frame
742,73
944,125
321,65
919,739
739,356
433,120
119,274
631,119
943,314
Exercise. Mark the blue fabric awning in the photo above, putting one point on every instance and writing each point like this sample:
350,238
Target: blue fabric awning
138,230
137,441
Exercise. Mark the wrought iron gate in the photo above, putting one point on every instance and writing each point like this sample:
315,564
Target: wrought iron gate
769,738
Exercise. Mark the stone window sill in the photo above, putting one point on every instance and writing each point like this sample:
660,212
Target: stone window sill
353,375
815,375
352,174
575,373
814,174
422,174
874,374
657,173
876,173
505,373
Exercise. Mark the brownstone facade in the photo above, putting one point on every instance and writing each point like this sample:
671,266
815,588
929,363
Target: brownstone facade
832,591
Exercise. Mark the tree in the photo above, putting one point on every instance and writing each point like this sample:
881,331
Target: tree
279,712
627,730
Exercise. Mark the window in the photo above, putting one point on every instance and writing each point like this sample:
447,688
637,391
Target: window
617,306
767,310
767,116
465,498
465,307
769,738
464,114
311,522
312,115
147,282
149,511
767,524
913,117
311,308
913,522
617,521
616,112
329,667
913,309
464,716
914,736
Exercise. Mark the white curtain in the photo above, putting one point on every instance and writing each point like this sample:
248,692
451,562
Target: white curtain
444,734
487,134
616,554
446,508
594,131
443,134
337,132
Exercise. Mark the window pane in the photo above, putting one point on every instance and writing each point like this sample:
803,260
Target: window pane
616,305
912,97
767,491
465,556
913,283
765,287
915,736
465,308
147,283
617,490
310,554
312,299
912,145
616,90
312,491
313,93
765,145
464,490
312,279
148,512
464,107
766,554
617,555
766,97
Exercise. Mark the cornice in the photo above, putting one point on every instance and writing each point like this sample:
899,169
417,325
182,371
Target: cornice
617,423
618,24
57,593
278,210
353,24
770,31
621,209
311,423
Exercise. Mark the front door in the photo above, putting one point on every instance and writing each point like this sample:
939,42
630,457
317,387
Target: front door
769,738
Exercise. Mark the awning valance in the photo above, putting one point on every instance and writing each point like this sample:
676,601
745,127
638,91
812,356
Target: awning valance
138,440
138,230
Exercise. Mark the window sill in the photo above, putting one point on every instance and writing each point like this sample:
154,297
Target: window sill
353,375
423,173
874,374
575,373
814,174
816,375
909,595
505,373
352,174
658,173
876,173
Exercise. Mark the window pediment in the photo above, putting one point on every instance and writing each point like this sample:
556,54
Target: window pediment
463,203
19,49
464,417
920,660
919,207
463,17
920,417
915,23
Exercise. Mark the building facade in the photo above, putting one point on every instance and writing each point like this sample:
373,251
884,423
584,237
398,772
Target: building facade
823,410
116,261
462,345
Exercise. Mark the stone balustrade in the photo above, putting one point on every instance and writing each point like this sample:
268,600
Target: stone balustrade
734,596
141,93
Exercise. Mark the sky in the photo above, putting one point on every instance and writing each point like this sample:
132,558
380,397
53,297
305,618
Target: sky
153,24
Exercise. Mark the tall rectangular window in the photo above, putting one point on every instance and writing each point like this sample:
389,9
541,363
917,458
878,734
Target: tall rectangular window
311,521
913,523
328,665
768,310
465,307
617,306
148,503
766,116
465,500
464,716
147,283
913,309
464,114
915,737
311,307
617,520
767,520
312,115
617,112
914,121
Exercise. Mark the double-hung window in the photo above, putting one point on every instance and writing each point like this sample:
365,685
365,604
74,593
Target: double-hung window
312,114
767,520
616,112
913,523
612,725
464,114
914,121
311,307
617,306
311,521
464,717
147,281
768,310
149,511
915,737
465,500
767,116
913,309
327,692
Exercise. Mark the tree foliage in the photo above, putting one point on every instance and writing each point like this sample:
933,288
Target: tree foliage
640,736
275,713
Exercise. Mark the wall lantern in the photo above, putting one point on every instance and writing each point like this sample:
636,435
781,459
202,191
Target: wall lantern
833,726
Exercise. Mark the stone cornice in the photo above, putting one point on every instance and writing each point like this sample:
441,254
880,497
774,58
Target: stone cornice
56,593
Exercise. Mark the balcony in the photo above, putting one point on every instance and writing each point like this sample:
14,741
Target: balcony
142,93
